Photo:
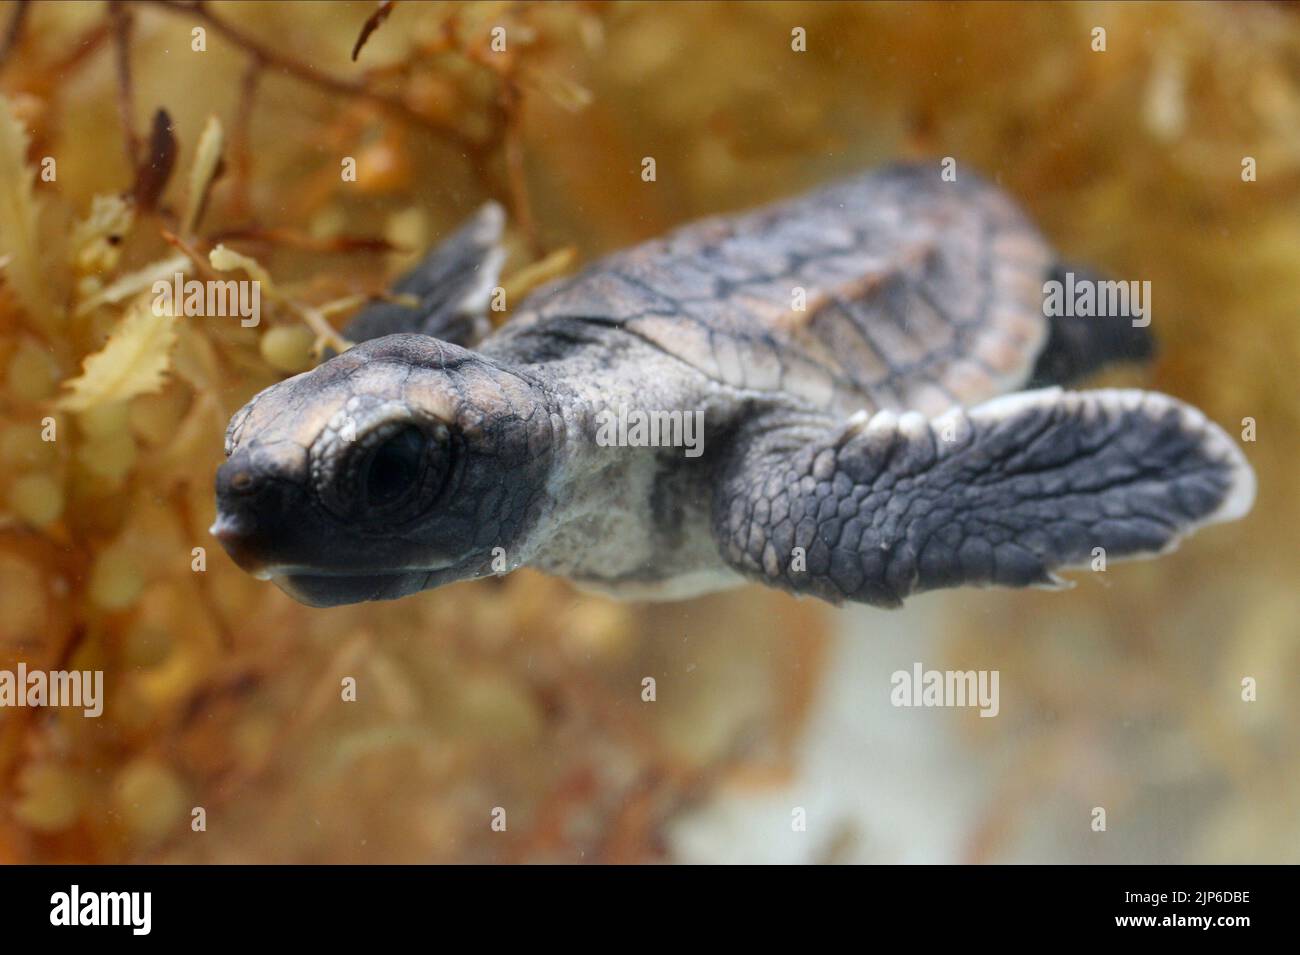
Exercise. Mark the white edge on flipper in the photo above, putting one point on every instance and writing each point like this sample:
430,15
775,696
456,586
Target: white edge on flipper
1218,446
1215,442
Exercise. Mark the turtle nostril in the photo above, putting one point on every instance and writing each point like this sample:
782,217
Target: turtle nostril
240,478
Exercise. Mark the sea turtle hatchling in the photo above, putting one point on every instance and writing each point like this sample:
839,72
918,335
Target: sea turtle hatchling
853,358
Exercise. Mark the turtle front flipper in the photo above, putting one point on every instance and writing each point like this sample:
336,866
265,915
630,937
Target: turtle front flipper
1006,493
453,283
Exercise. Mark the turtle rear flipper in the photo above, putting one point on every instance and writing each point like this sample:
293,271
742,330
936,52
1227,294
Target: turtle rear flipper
1006,493
1078,345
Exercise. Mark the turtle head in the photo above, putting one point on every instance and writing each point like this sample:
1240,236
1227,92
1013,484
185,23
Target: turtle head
402,464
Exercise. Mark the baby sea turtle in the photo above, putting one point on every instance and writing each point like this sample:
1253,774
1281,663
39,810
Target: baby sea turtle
851,358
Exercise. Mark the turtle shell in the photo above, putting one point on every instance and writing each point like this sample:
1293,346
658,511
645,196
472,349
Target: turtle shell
892,290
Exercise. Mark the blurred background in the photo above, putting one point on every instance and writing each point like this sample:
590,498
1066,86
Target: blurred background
221,693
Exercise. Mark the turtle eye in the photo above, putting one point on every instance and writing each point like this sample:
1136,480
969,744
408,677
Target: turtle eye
392,474
394,468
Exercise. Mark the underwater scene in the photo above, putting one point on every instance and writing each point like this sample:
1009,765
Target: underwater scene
239,641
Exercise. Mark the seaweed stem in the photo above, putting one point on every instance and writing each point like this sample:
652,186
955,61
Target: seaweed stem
241,200
310,74
516,179
120,18
14,31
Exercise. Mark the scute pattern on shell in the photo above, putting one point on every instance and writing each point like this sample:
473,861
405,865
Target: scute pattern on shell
919,294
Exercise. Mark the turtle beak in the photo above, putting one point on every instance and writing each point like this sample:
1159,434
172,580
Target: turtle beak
333,590
237,538
250,509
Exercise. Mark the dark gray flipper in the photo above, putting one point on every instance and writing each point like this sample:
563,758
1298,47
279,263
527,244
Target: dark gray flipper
1078,346
1005,493
454,283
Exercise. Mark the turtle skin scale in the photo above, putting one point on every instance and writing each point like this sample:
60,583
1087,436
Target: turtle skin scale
853,359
